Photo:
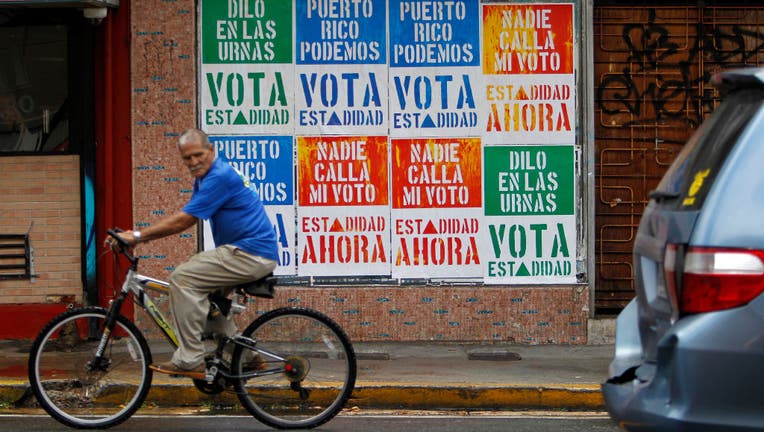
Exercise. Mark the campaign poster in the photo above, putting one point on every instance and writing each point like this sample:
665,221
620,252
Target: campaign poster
246,80
267,163
528,66
435,75
530,233
343,221
341,67
436,208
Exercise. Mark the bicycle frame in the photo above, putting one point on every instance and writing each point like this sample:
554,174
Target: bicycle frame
137,284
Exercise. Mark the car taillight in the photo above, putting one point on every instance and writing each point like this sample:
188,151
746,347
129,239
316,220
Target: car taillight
714,279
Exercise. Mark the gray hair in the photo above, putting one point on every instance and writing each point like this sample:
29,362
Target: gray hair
194,135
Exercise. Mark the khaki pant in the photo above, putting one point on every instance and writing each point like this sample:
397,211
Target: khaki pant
190,284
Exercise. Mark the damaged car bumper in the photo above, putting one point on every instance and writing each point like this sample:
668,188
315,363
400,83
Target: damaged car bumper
700,375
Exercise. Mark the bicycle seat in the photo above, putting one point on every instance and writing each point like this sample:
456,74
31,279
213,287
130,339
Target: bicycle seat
220,304
262,287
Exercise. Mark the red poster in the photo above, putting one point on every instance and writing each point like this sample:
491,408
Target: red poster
436,173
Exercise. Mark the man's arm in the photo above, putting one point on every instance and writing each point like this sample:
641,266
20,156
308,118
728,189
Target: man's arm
172,224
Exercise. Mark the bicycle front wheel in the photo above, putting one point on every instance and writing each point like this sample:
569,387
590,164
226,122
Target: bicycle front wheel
306,367
79,389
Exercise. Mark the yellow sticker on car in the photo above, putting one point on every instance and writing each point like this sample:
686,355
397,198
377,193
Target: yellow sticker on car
695,186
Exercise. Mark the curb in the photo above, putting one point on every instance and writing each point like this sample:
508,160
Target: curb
12,392
478,397
371,395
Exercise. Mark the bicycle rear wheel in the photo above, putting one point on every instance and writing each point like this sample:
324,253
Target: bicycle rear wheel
75,387
309,377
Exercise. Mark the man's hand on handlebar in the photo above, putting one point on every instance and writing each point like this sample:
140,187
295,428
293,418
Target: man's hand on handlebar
118,239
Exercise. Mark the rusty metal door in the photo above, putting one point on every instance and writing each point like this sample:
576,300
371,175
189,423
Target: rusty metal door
652,66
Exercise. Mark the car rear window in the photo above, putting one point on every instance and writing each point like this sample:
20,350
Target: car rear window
691,175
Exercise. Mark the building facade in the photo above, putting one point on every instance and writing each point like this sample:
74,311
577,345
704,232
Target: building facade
435,170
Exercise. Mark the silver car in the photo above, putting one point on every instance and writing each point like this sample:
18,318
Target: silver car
689,352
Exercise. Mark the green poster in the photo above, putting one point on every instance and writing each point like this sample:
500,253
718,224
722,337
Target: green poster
246,31
529,180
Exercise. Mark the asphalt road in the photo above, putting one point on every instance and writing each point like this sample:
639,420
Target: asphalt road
381,422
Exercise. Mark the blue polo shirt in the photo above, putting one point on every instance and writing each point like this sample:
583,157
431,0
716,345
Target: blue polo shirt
236,213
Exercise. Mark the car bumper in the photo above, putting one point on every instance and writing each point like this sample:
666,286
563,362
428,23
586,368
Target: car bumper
707,376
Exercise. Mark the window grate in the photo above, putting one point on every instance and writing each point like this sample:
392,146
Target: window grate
15,257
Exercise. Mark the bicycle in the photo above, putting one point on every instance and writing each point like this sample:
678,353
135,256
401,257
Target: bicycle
89,366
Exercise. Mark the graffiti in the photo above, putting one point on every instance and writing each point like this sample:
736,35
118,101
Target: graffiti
654,89
672,88
624,93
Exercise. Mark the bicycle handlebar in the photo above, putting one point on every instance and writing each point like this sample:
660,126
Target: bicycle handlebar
123,245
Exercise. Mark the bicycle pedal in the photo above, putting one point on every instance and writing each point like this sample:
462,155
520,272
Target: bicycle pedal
210,374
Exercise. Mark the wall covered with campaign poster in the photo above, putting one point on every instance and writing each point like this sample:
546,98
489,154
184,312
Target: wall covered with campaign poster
404,139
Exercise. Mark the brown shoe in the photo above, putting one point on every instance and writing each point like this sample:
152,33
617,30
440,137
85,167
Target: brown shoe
170,368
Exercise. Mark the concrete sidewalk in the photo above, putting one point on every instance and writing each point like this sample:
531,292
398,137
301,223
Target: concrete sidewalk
421,375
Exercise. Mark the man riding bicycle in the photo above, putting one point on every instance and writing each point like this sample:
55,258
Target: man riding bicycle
246,248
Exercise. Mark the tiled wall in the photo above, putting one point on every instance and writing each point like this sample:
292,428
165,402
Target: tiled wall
163,75
441,313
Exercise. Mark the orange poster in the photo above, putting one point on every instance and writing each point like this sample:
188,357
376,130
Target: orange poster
342,170
528,39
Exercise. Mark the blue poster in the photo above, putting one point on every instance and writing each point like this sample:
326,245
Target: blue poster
267,161
332,32
434,33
